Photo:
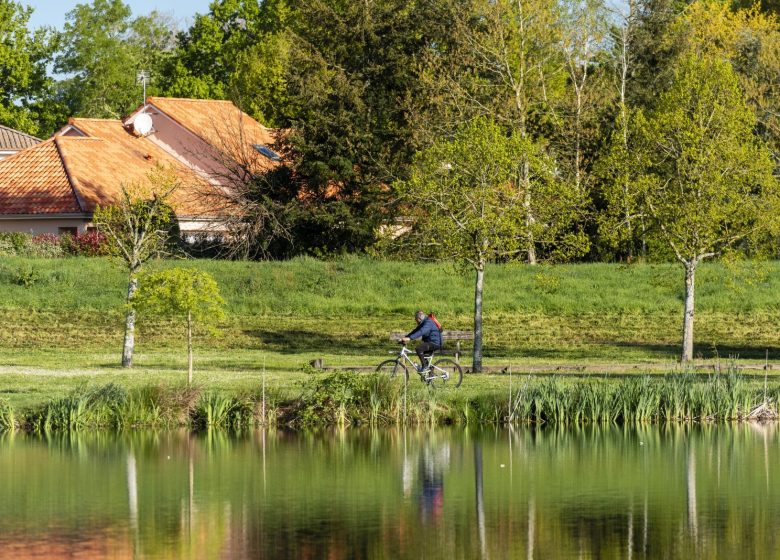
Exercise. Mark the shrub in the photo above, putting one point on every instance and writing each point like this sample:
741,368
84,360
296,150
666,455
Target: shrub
45,245
90,244
25,275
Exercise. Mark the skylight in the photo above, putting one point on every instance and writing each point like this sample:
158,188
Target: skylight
267,152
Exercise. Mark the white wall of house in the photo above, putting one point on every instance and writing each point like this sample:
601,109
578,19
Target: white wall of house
189,227
39,225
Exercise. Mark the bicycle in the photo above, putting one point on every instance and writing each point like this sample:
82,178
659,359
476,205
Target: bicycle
442,373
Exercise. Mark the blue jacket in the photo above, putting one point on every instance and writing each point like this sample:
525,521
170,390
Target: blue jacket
428,331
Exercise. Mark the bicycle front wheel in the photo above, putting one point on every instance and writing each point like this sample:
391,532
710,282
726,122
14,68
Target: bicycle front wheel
446,373
393,369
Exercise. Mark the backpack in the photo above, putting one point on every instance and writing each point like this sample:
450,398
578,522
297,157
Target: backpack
436,322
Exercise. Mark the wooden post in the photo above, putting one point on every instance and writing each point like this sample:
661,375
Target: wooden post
457,352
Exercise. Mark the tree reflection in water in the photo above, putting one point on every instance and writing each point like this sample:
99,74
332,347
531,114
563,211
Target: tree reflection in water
647,492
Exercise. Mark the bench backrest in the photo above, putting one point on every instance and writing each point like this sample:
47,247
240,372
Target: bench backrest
445,335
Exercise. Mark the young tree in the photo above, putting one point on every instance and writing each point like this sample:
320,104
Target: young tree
467,200
138,228
706,178
182,293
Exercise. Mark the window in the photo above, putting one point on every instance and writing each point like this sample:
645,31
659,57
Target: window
267,152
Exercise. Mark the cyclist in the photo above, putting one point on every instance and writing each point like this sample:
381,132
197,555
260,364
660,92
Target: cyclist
431,339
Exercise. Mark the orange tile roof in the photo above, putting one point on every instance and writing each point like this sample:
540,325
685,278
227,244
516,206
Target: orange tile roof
94,170
222,125
34,181
74,174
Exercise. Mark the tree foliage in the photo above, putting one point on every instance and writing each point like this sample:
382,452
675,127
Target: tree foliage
239,50
23,77
466,196
706,180
101,50
185,294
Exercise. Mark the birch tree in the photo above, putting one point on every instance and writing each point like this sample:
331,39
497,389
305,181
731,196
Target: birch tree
583,38
621,224
137,228
706,178
506,63
466,198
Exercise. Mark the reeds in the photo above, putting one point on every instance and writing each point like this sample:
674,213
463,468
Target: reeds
7,417
346,399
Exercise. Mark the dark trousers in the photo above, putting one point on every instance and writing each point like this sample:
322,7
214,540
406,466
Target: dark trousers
425,349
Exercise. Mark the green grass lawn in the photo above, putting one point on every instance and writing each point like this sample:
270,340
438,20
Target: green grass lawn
61,319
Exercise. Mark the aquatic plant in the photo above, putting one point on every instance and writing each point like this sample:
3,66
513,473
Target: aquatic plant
215,410
7,417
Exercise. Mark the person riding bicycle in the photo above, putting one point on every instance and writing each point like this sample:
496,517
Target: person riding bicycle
431,338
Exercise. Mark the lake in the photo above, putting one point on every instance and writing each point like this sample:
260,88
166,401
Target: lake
681,491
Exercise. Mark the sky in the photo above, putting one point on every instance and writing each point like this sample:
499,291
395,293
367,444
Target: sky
52,12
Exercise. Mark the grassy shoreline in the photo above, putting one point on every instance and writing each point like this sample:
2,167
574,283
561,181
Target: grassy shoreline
64,328
344,399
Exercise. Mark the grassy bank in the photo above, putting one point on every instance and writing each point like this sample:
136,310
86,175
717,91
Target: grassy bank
344,399
61,320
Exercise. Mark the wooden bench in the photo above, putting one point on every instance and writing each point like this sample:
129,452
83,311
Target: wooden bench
445,336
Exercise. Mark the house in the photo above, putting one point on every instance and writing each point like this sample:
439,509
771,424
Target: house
211,146
12,141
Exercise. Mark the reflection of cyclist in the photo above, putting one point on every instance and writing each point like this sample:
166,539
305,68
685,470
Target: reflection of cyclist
433,461
431,338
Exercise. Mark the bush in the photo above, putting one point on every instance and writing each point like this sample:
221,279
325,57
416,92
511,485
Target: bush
25,275
91,244
46,245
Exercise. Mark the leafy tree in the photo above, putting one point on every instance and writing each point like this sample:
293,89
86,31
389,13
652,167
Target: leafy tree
619,213
467,201
137,228
750,40
507,63
188,294
239,51
706,179
101,50
583,32
23,78
353,66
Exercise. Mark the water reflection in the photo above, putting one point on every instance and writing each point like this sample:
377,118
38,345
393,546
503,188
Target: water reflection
669,491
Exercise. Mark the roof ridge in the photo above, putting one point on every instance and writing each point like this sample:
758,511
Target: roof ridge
71,178
94,119
19,132
190,99
75,138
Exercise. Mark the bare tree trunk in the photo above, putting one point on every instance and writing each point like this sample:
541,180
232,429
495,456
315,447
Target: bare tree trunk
529,213
687,349
129,343
189,347
477,357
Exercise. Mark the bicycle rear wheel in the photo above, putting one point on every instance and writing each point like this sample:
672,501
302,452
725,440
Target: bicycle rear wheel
393,369
453,371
